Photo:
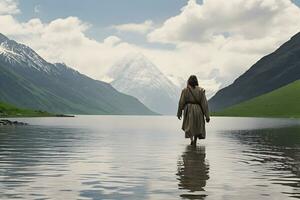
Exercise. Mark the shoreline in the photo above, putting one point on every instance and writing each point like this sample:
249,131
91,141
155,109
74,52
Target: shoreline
34,116
5,120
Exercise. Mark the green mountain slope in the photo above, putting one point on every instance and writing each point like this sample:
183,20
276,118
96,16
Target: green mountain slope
7,110
282,102
29,81
273,71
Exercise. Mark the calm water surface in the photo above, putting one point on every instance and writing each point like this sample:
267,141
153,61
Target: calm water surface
122,157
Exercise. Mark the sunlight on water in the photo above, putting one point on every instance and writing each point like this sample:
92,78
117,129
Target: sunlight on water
119,157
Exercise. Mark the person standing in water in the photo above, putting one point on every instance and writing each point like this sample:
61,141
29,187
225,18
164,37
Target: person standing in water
194,103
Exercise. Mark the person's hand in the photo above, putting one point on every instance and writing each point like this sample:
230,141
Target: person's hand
207,120
179,117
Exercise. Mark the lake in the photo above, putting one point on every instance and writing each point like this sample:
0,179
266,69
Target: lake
147,157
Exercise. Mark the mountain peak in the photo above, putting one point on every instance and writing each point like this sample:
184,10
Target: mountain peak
134,58
18,54
137,76
134,65
31,82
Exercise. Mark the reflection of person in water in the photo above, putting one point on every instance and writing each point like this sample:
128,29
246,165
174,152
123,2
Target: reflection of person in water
193,170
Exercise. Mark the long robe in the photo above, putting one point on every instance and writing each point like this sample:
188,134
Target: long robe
193,116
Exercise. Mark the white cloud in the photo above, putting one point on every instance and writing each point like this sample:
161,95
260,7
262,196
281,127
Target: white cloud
247,19
112,40
8,7
136,28
227,35
217,40
63,40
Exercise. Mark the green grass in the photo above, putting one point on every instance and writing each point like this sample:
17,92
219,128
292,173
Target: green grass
283,102
7,110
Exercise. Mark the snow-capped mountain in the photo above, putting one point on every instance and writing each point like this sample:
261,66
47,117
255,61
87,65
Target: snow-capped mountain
136,75
19,54
28,81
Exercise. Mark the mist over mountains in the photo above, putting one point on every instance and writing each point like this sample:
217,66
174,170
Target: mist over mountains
28,81
137,76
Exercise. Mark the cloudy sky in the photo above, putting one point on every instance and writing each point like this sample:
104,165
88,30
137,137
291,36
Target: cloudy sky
216,40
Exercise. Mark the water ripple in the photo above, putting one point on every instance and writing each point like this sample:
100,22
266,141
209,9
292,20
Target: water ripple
92,159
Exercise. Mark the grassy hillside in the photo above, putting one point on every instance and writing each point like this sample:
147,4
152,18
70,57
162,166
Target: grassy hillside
282,102
272,72
7,110
29,81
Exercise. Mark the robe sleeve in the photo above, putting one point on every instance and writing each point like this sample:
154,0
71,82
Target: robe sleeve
181,104
204,105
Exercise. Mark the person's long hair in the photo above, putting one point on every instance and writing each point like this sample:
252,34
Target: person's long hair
192,81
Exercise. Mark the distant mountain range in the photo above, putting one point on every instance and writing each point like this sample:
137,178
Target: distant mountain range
136,75
271,72
28,81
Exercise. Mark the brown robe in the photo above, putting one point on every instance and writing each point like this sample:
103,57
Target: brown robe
193,118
